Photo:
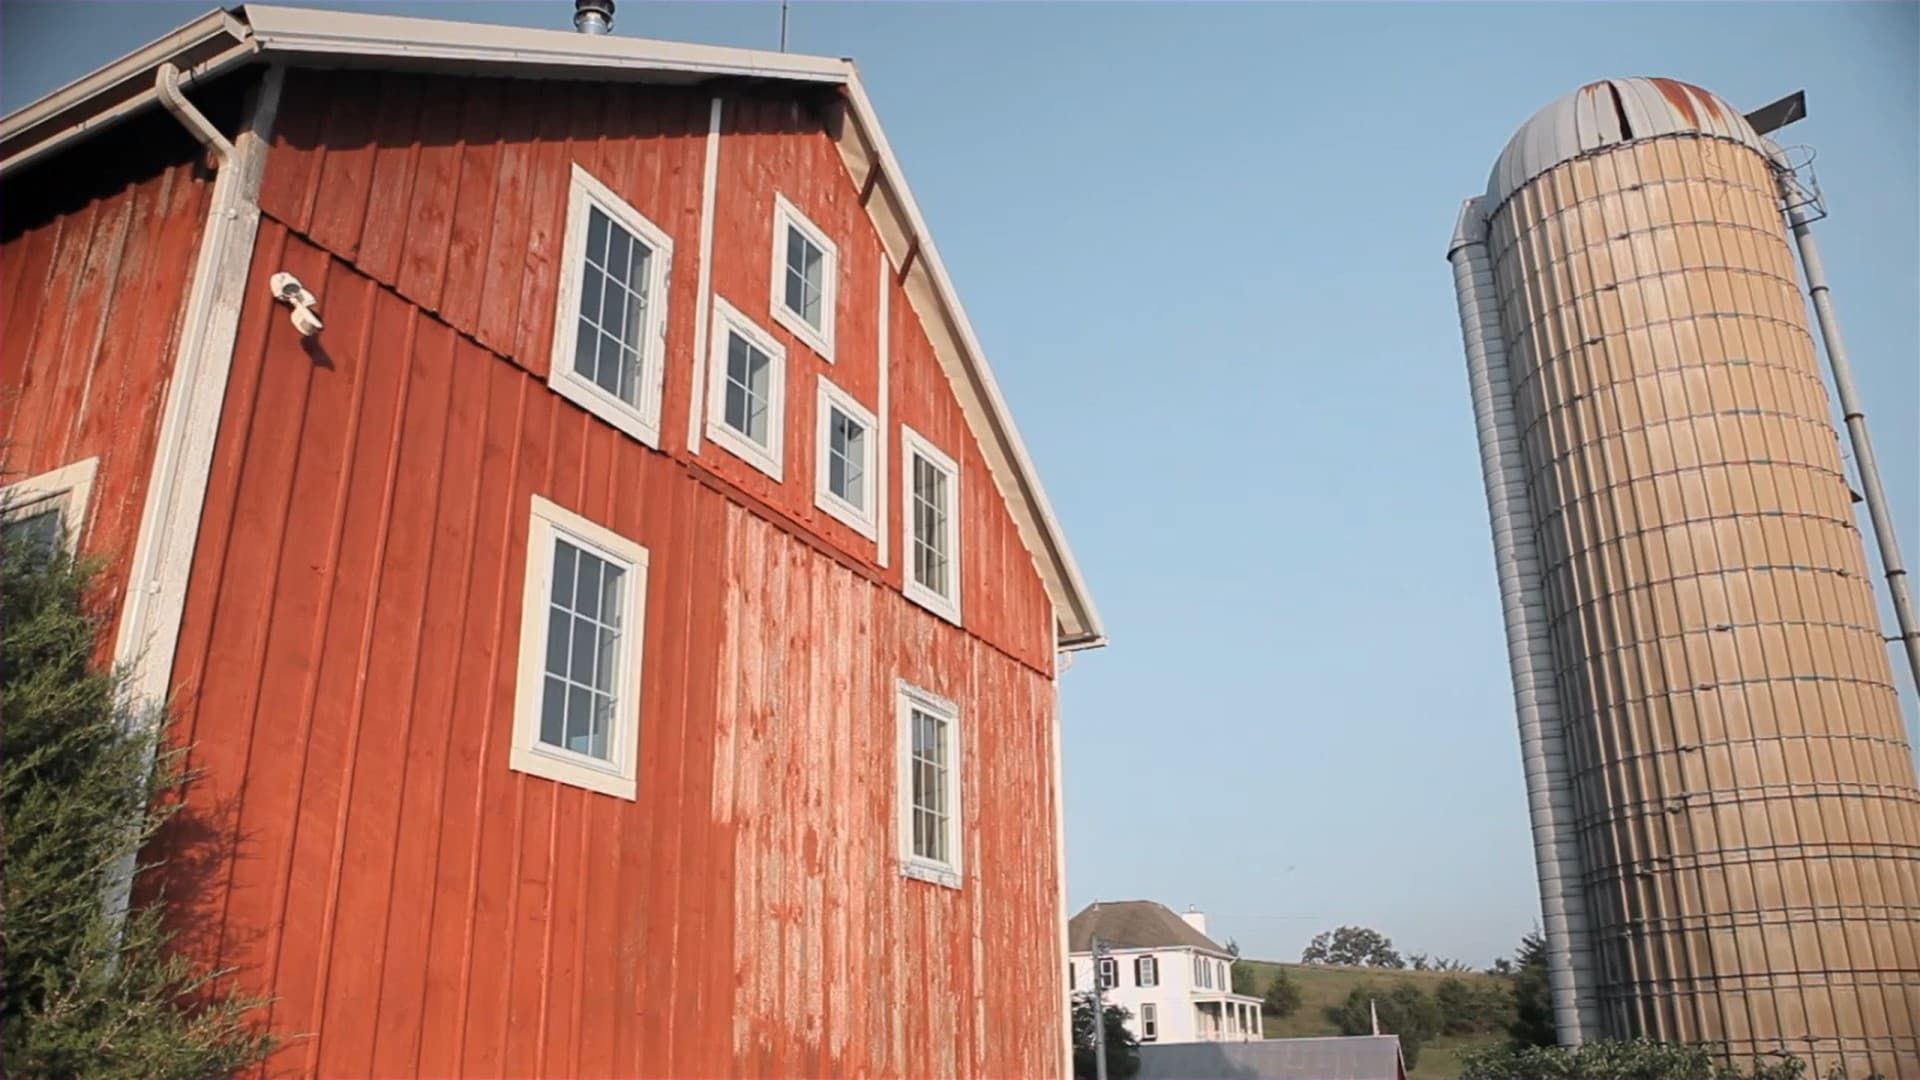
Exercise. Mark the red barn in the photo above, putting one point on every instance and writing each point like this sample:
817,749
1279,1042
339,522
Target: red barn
554,484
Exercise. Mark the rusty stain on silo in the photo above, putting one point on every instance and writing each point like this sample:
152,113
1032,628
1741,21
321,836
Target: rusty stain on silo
1739,860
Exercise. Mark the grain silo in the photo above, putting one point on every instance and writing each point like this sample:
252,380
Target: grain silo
1725,815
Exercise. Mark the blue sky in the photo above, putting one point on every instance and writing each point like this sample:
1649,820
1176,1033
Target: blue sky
1205,247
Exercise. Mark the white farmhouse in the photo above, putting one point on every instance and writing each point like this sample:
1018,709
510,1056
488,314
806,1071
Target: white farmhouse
1162,968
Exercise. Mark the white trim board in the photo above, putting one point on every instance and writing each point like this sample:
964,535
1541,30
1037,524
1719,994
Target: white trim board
912,445
618,774
861,519
952,872
770,458
73,480
639,418
788,216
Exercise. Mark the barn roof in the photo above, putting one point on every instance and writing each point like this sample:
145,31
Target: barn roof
1135,924
222,41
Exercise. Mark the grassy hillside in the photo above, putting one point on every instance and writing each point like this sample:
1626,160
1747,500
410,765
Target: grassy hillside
1323,986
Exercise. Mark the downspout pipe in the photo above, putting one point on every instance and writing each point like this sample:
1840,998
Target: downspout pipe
1543,750
166,84
1800,217
169,524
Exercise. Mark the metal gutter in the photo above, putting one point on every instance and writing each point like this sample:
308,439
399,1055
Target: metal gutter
1543,751
208,46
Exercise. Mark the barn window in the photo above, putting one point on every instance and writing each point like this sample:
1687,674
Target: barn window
930,499
930,774
746,403
1149,1021
1109,973
609,333
577,717
46,512
804,268
1146,971
844,458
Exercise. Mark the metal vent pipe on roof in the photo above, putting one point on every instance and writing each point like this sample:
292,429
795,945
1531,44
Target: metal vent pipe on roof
593,16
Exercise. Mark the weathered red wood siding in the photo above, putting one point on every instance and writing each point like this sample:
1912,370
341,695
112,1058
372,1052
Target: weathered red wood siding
97,250
349,654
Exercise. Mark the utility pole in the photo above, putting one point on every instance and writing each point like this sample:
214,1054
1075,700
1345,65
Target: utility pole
1100,951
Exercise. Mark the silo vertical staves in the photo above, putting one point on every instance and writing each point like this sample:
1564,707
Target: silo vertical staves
1724,802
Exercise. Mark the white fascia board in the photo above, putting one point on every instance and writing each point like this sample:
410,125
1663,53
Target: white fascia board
348,33
1080,626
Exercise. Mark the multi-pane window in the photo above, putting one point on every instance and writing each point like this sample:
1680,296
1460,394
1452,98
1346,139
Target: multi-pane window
749,394
43,514
804,271
1146,971
1109,973
929,786
846,452
930,497
608,343
931,773
747,401
613,307
583,650
577,720
1149,1021
1202,972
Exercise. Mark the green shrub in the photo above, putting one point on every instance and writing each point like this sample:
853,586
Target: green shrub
88,995
1282,998
1637,1059
1406,1011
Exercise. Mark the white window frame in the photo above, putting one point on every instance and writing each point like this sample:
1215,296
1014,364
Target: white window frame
728,320
786,214
912,445
642,419
1149,1022
1147,970
617,776
1108,970
863,520
949,873
69,485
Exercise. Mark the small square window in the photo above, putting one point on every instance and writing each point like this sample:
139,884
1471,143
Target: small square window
847,445
805,267
577,720
930,804
930,500
46,513
746,403
609,329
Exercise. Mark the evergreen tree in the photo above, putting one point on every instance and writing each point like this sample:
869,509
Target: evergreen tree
88,993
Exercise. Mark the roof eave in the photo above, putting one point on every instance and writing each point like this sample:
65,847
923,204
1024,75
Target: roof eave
203,48
1078,621
411,42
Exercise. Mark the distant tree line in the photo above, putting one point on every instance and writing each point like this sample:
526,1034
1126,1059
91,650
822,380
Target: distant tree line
1358,946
